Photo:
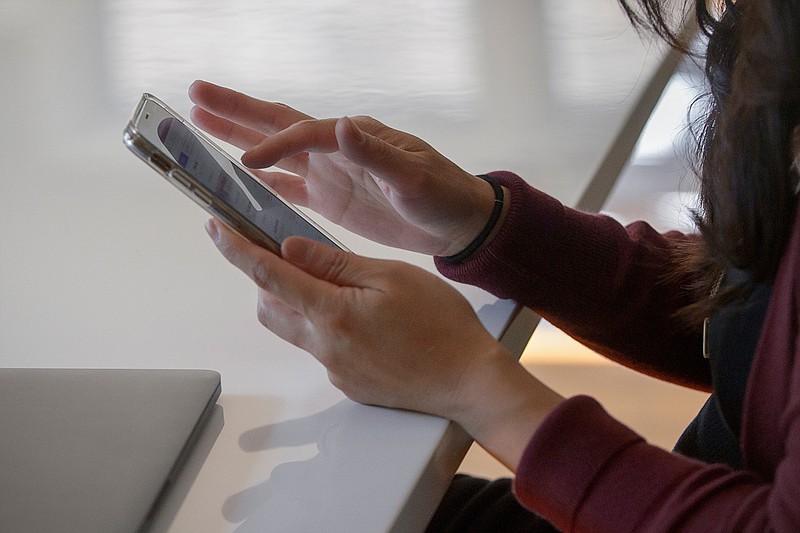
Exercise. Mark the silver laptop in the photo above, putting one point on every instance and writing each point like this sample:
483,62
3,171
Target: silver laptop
96,450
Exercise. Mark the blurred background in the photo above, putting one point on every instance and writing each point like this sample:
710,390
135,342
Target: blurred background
99,256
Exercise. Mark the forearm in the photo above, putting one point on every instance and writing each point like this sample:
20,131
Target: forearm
582,462
502,405
611,287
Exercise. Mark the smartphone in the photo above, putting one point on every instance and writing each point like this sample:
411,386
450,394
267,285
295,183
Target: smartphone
188,159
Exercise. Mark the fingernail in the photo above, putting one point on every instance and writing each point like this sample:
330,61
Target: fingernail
252,161
358,135
297,250
212,230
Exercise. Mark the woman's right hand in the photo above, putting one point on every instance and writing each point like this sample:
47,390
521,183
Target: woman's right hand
383,184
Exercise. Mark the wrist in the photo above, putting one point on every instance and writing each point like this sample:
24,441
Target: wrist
503,406
491,210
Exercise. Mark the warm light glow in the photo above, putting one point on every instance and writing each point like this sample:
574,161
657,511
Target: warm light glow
549,346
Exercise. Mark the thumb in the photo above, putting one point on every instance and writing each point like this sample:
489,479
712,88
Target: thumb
381,158
326,262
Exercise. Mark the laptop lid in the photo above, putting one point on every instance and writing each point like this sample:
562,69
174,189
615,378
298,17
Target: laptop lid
95,450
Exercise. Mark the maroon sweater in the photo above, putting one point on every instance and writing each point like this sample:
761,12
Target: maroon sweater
611,287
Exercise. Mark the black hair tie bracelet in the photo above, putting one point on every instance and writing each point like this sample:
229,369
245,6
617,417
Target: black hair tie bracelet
487,230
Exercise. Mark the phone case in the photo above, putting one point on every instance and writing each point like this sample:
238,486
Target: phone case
213,179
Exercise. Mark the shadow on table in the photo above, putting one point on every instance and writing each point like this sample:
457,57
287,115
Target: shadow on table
342,485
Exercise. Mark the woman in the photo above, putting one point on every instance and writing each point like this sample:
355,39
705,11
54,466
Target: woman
634,295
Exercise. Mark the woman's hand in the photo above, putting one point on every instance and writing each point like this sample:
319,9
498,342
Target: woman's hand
393,335
381,183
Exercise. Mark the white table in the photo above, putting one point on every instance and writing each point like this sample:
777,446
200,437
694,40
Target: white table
104,266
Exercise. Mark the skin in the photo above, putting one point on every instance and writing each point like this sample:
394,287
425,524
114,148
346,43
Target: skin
376,181
344,309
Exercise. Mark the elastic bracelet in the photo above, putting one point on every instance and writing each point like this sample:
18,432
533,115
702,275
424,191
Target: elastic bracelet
487,230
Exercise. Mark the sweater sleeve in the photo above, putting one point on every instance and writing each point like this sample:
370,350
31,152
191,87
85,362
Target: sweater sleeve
610,287
604,283
584,471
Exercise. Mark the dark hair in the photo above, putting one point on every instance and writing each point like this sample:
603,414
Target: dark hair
748,183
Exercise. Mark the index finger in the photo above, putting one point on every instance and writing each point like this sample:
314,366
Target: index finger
296,289
266,117
315,135
224,129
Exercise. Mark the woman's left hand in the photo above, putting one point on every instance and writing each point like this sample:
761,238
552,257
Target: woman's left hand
389,333
394,335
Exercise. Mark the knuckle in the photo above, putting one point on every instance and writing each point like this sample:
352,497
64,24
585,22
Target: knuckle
261,275
265,309
335,265
366,121
264,314
228,249
305,122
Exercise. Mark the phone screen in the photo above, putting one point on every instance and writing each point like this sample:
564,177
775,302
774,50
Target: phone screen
224,179
233,186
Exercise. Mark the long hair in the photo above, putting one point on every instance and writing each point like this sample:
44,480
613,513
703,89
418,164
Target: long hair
745,149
